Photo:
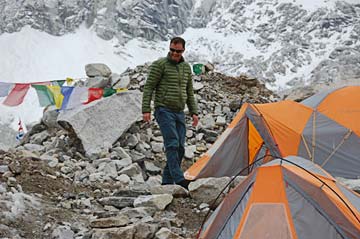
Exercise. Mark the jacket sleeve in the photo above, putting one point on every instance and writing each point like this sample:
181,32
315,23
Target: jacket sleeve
191,101
150,85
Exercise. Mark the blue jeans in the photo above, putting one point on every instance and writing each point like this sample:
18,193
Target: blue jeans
173,130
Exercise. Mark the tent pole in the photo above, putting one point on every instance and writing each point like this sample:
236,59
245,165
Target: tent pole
313,144
346,136
307,147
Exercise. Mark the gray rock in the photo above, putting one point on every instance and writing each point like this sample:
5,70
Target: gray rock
11,182
139,178
199,136
154,181
15,167
109,169
132,141
122,163
80,176
123,179
127,232
189,151
137,156
53,162
62,232
50,116
165,233
101,161
151,168
220,120
39,138
97,69
118,221
4,169
138,212
145,230
122,82
206,190
189,133
203,205
121,152
157,147
158,138
208,122
235,105
159,201
96,177
118,202
66,169
131,170
209,67
7,139
197,86
142,147
34,147
98,82
28,154
85,120
175,190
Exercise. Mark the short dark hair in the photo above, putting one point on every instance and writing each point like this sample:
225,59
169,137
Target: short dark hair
177,40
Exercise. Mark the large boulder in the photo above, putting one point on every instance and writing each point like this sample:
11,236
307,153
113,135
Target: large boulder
97,69
100,123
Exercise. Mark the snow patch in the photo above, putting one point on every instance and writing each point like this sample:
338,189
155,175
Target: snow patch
34,56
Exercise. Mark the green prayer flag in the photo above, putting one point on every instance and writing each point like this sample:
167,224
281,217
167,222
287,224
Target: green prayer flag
108,92
197,69
44,95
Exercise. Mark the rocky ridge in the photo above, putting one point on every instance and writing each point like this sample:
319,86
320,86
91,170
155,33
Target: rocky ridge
289,38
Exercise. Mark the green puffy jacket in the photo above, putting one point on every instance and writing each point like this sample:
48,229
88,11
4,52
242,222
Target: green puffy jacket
172,84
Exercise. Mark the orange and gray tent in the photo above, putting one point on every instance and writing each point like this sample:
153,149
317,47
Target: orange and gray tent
324,128
288,198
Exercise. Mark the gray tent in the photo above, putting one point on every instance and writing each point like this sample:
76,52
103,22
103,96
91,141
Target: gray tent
287,198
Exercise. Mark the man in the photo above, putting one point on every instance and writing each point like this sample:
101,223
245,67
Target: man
170,78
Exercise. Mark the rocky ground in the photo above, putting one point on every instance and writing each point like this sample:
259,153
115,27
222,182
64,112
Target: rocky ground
51,188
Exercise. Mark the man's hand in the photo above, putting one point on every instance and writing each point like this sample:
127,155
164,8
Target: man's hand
146,117
195,120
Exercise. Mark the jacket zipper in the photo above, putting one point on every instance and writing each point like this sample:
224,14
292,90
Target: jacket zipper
179,82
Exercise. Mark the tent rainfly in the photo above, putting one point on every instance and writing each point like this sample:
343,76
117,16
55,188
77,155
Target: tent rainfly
324,128
288,198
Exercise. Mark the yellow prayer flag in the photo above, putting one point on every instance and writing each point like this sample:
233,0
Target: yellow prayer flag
118,90
69,81
58,97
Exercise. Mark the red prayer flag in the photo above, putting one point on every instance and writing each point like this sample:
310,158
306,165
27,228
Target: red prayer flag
17,95
94,94
42,83
20,125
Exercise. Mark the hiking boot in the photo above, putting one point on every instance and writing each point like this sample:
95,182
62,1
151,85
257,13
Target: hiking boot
184,183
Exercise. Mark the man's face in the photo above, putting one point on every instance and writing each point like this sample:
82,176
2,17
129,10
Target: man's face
176,51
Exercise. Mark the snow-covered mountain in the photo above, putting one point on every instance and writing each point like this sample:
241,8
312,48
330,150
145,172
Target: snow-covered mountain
285,43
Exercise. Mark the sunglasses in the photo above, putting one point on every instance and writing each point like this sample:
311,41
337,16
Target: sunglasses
176,50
